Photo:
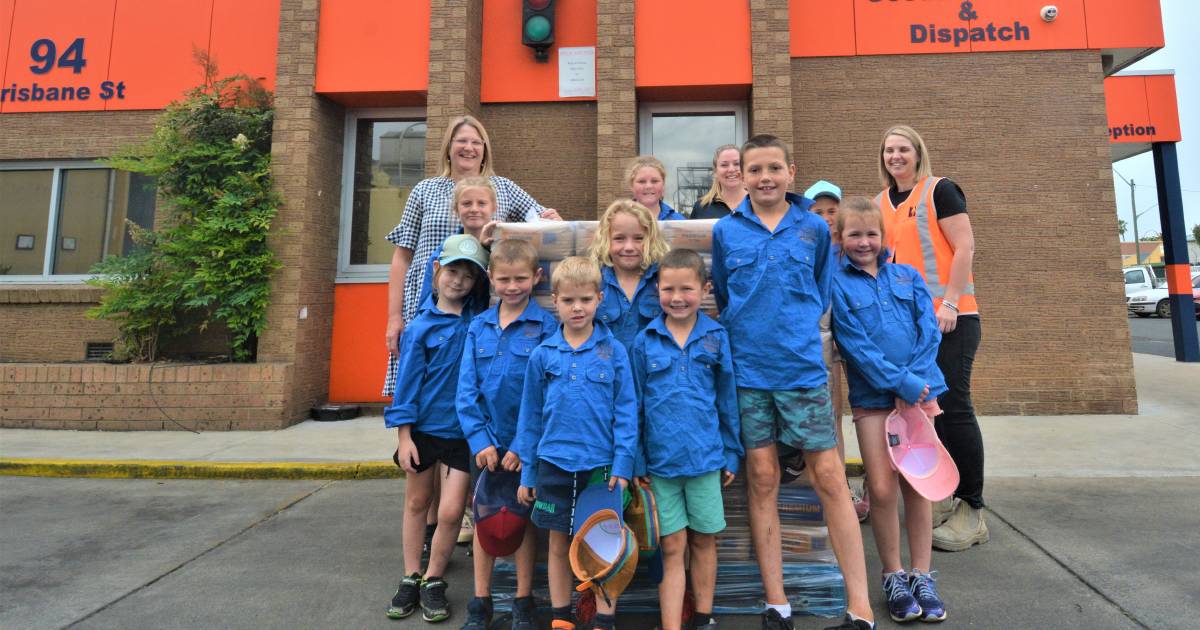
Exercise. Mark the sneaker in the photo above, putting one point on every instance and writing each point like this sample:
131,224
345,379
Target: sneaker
523,611
434,605
466,531
901,604
404,602
772,620
942,510
791,463
853,624
862,504
479,615
428,544
924,588
962,530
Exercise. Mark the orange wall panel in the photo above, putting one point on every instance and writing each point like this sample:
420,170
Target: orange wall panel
1124,24
358,360
1142,108
885,28
1163,106
510,74
62,22
153,50
1068,32
692,43
6,14
821,28
373,46
245,38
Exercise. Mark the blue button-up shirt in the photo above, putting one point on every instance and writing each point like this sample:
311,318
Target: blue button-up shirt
427,377
772,288
579,408
492,374
667,213
689,414
625,317
886,330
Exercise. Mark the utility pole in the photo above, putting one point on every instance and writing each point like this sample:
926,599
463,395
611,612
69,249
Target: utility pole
1137,243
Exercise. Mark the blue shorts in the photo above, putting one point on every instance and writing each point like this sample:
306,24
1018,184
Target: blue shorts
557,490
801,418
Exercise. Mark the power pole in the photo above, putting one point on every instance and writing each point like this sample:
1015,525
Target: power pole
1137,243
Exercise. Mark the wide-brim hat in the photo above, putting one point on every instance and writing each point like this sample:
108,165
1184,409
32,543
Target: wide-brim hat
918,454
500,519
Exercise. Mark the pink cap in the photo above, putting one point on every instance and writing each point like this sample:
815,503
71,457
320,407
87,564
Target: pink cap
918,454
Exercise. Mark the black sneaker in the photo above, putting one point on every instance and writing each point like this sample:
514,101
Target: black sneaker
404,602
772,620
791,463
434,605
523,610
479,615
853,624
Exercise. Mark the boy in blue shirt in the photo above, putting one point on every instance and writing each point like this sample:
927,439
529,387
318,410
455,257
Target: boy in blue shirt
490,380
683,368
772,271
578,423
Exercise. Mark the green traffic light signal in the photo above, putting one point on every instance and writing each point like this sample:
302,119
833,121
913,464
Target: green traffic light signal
537,29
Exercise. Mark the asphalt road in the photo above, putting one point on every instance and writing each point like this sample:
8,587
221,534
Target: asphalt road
1152,335
1111,553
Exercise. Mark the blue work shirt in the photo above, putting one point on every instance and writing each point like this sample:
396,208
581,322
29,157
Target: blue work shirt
625,317
689,412
667,213
492,374
427,375
887,332
772,288
579,407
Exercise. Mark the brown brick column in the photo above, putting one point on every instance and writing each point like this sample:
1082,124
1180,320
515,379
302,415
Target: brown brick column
616,98
455,46
306,155
771,101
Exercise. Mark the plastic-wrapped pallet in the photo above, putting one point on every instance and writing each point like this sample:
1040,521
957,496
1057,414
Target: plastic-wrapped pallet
695,234
585,233
553,240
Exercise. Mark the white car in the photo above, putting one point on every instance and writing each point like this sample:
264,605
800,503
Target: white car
1155,301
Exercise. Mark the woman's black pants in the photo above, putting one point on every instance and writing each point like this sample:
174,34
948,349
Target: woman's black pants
957,427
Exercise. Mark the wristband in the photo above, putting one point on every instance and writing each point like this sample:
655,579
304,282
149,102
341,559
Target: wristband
952,305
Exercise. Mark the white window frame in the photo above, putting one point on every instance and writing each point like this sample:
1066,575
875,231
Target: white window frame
646,112
57,167
367,273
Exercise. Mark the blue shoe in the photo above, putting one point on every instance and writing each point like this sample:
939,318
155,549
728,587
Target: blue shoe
924,589
902,606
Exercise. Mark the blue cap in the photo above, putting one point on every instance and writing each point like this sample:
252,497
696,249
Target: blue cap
824,189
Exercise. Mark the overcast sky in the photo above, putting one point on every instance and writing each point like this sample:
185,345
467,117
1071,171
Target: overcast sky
1181,21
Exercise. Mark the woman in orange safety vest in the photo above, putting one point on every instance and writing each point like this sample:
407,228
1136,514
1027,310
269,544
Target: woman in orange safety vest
927,227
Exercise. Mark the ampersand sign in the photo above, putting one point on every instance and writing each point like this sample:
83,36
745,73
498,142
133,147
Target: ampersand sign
968,11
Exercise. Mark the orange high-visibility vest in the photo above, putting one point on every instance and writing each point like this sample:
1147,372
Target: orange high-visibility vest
915,239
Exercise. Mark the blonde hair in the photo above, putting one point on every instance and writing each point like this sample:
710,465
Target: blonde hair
641,162
924,167
715,189
468,183
576,270
860,206
512,252
485,165
653,248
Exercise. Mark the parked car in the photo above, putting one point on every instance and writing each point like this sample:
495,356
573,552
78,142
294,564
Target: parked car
1147,302
1139,278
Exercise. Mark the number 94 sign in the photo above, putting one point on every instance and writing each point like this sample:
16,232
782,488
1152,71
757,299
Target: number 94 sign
46,57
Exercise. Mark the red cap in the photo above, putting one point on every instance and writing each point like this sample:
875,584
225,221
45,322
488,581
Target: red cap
500,533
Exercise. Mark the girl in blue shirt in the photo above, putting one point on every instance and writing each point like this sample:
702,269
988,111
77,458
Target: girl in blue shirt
428,429
886,330
628,247
647,179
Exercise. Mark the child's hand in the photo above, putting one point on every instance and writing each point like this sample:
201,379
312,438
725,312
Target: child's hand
409,458
512,462
901,404
643,481
487,458
550,214
727,478
486,235
614,481
526,495
924,395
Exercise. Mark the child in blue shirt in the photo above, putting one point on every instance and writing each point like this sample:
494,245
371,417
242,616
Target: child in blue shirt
683,368
423,412
647,179
628,246
772,272
886,328
491,378
578,423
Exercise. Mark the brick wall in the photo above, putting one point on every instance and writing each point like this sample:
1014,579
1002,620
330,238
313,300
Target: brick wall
1034,163
770,58
616,98
219,397
547,148
48,322
455,45
71,135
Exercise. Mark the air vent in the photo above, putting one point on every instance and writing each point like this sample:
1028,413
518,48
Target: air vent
98,351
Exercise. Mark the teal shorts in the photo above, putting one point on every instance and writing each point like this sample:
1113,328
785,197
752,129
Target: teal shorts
691,502
800,418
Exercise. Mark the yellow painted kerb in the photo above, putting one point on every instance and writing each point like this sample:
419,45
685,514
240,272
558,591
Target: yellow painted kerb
167,469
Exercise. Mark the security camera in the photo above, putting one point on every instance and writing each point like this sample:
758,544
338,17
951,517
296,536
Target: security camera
1049,13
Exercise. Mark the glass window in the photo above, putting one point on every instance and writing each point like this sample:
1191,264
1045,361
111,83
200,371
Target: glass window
60,221
1133,277
389,159
684,137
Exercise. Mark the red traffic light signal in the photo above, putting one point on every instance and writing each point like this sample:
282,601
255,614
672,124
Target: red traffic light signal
537,26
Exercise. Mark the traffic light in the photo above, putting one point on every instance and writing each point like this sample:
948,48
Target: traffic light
537,26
